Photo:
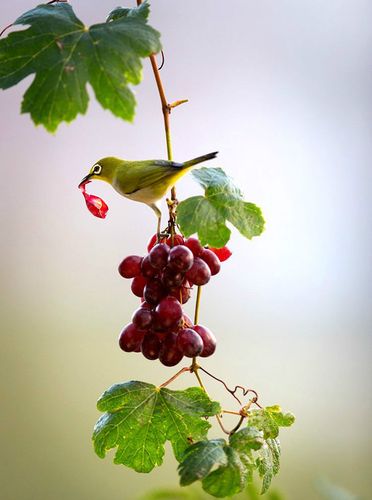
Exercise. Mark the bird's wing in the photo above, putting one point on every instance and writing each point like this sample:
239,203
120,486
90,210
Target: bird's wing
133,176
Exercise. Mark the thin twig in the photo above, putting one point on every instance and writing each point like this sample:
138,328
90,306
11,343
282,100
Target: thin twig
169,381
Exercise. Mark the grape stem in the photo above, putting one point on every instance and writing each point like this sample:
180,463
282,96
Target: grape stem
180,372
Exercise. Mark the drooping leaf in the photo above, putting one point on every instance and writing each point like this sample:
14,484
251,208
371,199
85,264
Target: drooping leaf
226,469
65,55
248,438
223,201
227,480
269,420
200,458
140,418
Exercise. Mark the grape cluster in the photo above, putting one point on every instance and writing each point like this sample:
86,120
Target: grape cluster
163,280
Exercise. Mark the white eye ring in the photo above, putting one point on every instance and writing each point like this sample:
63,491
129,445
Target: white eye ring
97,169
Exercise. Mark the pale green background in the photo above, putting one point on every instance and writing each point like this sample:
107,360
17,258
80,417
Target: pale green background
282,90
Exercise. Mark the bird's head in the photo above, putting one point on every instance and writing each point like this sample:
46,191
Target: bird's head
102,170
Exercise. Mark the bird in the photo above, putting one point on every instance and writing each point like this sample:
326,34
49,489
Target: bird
144,181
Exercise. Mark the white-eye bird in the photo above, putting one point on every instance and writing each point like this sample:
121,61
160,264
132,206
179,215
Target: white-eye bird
145,181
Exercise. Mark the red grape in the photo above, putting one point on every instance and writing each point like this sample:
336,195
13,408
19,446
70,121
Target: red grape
147,269
200,273
211,259
181,258
130,338
172,278
187,321
138,284
158,257
142,318
178,240
154,292
169,312
194,245
189,343
130,266
151,346
169,354
209,340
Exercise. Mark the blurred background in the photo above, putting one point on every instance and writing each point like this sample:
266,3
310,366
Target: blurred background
283,91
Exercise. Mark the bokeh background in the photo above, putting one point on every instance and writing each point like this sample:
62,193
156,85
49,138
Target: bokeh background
283,91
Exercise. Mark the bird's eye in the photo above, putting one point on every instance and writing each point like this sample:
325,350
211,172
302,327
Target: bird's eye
97,169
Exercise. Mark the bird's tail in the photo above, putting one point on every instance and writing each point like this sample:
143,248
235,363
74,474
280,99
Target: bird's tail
200,159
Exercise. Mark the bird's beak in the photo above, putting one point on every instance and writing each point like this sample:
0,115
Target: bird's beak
85,180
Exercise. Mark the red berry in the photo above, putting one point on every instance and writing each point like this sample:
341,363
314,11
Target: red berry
142,318
137,286
151,346
147,270
189,343
154,292
182,293
222,253
181,258
211,260
130,338
169,354
194,245
130,266
209,340
172,278
200,273
169,312
158,257
178,240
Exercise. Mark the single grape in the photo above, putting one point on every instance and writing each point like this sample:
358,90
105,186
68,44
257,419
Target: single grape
172,278
152,242
147,270
130,338
177,240
158,257
200,273
189,343
154,292
142,318
209,340
169,354
137,286
130,266
169,312
162,335
212,261
151,346
181,258
194,245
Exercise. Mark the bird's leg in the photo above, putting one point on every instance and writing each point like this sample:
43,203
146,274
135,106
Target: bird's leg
157,211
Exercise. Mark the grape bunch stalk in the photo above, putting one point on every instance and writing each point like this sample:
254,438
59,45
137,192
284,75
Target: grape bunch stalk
163,280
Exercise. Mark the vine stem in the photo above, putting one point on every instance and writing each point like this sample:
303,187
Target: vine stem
169,381
166,109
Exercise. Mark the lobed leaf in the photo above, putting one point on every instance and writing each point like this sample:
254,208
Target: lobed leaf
140,418
65,55
222,201
269,420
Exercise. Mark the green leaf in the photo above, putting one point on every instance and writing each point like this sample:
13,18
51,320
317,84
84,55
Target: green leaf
227,480
246,439
223,201
65,55
265,468
140,418
200,458
269,420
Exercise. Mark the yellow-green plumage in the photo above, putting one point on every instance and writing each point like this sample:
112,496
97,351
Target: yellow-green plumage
145,181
